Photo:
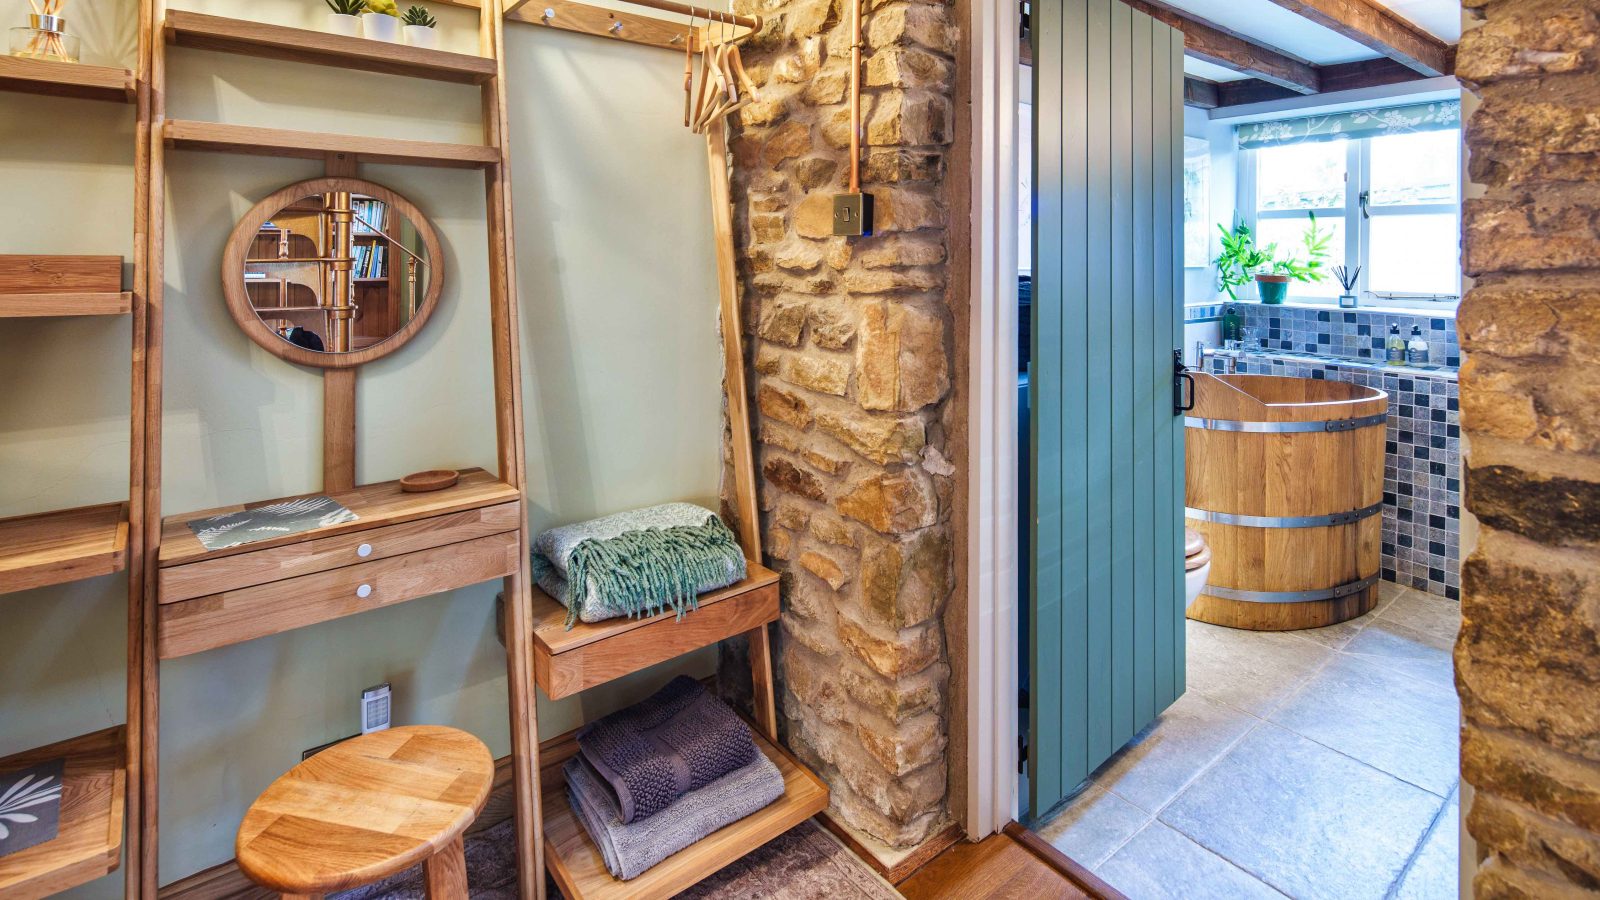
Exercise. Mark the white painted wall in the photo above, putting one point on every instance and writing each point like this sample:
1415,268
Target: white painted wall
620,361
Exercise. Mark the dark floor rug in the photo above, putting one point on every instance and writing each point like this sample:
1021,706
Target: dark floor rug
804,863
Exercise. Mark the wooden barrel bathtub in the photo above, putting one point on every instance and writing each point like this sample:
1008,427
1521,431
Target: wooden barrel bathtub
1285,481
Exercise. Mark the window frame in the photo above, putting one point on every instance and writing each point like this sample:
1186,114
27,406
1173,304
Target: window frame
1358,235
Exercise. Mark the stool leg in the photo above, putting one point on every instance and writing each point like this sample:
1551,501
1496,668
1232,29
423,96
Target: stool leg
446,873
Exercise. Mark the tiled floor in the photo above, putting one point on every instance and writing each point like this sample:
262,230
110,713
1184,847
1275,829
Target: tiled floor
1312,764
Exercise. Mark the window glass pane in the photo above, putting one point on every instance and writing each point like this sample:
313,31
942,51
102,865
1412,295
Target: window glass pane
1414,254
1415,168
1301,176
1289,235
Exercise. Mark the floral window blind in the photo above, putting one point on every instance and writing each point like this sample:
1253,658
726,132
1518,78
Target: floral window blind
1362,123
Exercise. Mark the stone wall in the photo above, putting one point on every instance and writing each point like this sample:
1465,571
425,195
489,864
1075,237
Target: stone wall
852,360
1528,660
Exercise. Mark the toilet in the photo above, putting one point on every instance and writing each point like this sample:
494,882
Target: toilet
1196,565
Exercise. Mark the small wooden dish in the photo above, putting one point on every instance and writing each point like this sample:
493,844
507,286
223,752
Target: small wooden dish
431,480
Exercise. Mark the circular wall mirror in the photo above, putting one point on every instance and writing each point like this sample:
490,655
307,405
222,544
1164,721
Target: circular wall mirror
332,272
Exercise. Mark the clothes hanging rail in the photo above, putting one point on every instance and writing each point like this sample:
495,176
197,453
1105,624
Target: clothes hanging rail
685,9
636,28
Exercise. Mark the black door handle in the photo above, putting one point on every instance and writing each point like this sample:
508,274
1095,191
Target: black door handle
1180,377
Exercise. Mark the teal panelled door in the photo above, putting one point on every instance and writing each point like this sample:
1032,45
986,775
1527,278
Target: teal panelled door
1106,458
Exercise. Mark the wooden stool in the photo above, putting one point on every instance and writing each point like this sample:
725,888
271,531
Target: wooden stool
366,809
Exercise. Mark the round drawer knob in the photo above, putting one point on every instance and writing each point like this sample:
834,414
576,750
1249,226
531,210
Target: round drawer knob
364,551
364,591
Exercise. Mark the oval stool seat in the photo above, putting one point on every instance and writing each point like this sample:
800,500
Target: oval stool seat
367,808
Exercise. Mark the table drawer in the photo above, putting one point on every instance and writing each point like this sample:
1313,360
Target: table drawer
228,617
259,567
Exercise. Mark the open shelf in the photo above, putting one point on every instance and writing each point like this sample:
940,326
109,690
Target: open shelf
376,505
89,841
566,662
581,873
204,32
62,79
187,134
63,545
16,306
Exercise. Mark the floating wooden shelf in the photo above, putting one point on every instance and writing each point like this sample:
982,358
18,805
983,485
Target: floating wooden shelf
62,546
566,662
581,873
89,842
192,29
15,306
60,79
223,138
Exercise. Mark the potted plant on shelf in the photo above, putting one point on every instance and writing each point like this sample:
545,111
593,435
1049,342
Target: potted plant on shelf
419,25
381,21
1274,285
1240,258
345,18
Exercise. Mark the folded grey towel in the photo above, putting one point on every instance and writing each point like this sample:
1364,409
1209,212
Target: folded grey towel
630,850
679,740
637,563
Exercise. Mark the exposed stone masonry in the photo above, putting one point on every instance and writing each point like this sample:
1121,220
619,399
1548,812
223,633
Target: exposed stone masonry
1528,660
852,360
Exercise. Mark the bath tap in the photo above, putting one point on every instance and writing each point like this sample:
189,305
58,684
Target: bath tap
1201,351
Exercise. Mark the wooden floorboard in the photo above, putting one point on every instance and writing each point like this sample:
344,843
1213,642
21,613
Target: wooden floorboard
1013,864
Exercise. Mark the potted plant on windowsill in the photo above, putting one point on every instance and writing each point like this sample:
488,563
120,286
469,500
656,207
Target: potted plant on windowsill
1274,285
418,26
1240,258
345,17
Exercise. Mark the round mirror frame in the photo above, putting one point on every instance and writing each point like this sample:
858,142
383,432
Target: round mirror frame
249,320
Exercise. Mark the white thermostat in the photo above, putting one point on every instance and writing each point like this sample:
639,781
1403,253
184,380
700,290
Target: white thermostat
375,708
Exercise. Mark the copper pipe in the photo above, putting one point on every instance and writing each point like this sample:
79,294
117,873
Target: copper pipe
855,96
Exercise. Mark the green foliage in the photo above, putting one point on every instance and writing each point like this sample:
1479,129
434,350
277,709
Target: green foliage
347,7
1314,243
418,15
1240,258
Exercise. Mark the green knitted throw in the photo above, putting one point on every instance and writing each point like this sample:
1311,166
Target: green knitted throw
645,571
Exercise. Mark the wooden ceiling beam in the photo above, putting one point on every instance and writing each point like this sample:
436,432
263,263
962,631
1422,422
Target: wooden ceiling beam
1200,93
1338,77
1206,41
1372,26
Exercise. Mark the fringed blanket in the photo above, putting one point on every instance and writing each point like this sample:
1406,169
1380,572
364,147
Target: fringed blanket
637,563
679,740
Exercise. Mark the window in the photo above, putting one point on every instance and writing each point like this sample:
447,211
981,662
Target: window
1389,199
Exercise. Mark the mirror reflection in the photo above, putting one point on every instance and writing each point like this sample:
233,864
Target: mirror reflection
336,272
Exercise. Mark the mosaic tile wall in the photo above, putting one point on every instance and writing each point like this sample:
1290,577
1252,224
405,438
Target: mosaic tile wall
1422,460
1356,334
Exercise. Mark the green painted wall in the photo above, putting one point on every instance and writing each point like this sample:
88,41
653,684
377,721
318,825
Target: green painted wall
620,360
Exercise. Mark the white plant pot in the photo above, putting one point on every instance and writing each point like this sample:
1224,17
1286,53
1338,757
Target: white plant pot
379,27
422,36
349,26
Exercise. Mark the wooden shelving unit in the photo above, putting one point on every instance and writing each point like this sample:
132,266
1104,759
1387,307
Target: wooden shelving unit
62,546
566,662
19,306
89,841
580,871
206,32
220,137
61,79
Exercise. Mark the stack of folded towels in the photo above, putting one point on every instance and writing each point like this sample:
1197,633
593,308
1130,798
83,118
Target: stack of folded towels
654,778
637,563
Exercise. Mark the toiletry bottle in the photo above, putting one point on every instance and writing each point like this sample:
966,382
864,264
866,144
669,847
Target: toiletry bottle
1230,327
1395,347
1416,348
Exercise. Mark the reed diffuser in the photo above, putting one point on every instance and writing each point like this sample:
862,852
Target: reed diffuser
1347,280
45,36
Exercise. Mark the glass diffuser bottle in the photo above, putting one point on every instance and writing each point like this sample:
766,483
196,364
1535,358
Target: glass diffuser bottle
44,37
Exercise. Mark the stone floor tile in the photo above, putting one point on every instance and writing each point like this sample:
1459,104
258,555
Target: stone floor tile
1436,872
1418,653
1192,734
1437,617
1253,671
1363,708
1092,825
1307,820
1161,864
